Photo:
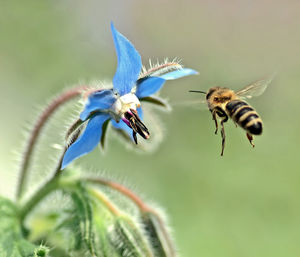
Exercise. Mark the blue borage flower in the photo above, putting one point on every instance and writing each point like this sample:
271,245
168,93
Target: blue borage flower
121,104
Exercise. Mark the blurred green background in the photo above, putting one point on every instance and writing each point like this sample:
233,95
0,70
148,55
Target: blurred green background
244,204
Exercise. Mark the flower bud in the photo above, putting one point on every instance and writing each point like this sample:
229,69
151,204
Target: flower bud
128,239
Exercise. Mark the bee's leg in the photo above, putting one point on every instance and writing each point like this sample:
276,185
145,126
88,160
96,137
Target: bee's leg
214,117
223,131
250,138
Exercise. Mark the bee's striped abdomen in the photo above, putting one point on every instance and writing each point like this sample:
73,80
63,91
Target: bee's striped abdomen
244,115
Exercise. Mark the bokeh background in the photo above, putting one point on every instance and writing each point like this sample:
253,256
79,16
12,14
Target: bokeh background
244,204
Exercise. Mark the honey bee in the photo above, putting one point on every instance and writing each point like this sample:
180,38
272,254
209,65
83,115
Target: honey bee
224,103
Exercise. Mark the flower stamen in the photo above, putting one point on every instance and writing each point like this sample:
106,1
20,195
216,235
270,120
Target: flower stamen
132,119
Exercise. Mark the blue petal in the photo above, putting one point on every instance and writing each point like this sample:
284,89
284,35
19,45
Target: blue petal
123,126
97,101
178,74
129,63
149,86
87,141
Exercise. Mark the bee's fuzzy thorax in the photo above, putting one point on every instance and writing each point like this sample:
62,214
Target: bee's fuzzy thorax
219,96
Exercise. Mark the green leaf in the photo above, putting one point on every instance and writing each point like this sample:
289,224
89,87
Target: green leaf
79,223
12,242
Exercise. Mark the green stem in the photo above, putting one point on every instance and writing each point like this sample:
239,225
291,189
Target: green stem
122,189
55,183
50,186
105,201
58,171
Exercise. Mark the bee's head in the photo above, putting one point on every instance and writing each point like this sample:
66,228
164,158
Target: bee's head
218,96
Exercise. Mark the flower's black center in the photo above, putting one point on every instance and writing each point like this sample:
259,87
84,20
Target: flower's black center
136,124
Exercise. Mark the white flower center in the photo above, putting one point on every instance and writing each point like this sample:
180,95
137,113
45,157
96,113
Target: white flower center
125,103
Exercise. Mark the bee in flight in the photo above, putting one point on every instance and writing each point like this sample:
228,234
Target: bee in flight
224,103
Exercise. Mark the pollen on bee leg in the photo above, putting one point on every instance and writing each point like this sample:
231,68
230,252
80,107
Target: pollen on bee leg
250,138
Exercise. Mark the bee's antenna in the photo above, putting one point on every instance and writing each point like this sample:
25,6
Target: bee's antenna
197,91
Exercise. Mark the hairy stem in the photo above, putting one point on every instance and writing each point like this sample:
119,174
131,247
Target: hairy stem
37,197
57,171
51,185
41,121
103,199
123,190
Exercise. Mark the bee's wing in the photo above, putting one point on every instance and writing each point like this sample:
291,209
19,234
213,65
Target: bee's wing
255,89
